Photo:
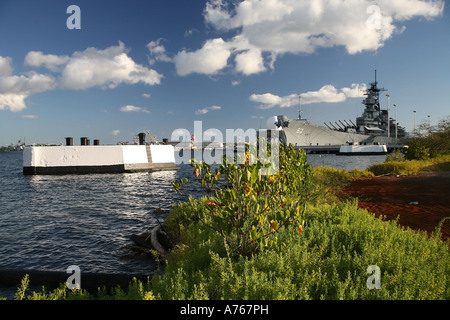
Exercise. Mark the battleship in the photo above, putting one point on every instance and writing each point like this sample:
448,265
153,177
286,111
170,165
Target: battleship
374,127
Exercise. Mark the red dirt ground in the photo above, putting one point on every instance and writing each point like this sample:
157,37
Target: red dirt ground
392,196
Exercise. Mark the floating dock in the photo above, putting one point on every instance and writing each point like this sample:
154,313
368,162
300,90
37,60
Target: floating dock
84,159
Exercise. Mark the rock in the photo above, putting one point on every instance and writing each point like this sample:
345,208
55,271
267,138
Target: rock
142,240
155,243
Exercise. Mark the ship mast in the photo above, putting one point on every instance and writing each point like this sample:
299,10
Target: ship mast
299,108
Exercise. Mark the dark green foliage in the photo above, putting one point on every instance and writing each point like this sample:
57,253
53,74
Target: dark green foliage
329,260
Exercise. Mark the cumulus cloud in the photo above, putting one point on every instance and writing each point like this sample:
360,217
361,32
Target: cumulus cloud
278,27
130,108
206,110
250,62
326,94
13,102
50,61
302,26
94,67
15,89
356,90
105,68
269,100
210,59
115,132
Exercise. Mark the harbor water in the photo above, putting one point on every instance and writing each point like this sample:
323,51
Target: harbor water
53,222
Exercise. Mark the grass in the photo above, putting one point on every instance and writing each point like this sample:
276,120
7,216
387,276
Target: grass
328,181
329,260
409,167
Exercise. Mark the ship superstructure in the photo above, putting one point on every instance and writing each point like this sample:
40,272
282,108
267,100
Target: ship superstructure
370,128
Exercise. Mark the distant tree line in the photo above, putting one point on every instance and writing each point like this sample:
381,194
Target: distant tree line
430,141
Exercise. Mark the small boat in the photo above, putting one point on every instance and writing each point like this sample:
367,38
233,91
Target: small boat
355,149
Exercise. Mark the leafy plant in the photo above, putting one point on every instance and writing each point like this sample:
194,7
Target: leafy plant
20,294
417,151
250,211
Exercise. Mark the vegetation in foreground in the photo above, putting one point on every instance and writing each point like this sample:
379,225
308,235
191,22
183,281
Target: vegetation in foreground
299,244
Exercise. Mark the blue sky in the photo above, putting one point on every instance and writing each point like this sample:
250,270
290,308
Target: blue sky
160,65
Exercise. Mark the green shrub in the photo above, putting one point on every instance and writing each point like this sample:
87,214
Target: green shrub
417,151
430,142
250,211
411,166
328,260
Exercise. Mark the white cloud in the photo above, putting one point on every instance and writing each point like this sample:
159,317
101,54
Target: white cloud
269,100
15,89
190,32
130,108
356,91
279,27
105,68
157,52
30,116
50,61
250,62
217,12
13,102
146,95
210,59
326,94
92,67
6,68
115,132
208,109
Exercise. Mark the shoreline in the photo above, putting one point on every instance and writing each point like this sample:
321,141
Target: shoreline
53,279
420,201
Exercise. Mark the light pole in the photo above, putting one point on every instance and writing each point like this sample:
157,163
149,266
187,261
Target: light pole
396,123
414,123
389,116
429,123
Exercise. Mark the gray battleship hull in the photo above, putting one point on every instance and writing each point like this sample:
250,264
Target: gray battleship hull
303,134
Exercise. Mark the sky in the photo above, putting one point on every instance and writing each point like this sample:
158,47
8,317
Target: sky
109,70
